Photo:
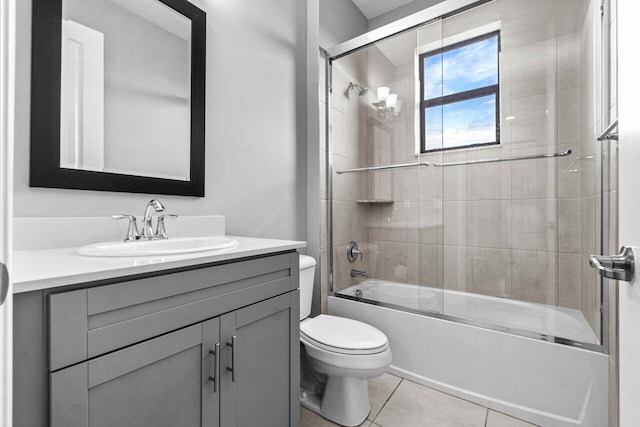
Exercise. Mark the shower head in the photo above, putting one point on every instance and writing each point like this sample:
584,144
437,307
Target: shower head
361,89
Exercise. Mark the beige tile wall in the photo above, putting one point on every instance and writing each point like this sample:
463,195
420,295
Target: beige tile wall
504,229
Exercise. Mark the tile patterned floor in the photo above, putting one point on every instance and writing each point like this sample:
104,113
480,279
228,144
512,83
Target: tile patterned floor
396,402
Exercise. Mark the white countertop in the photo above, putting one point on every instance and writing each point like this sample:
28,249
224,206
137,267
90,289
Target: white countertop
49,268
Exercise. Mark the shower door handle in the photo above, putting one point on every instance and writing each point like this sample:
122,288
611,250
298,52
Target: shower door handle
617,267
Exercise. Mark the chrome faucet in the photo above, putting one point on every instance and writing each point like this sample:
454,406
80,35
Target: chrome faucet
148,233
147,226
358,273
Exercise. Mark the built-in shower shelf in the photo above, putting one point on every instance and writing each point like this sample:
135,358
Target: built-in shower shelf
376,201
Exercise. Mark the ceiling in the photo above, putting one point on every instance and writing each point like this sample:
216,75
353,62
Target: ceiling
372,8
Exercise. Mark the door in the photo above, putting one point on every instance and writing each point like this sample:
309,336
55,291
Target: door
629,173
165,381
7,63
259,388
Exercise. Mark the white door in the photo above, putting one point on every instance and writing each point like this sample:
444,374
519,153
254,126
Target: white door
629,183
7,52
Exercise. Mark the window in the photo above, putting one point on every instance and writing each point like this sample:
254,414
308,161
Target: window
459,88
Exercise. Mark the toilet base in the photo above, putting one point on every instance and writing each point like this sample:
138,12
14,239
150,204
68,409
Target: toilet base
345,400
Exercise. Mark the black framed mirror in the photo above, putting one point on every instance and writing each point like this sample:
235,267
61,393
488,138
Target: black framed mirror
118,101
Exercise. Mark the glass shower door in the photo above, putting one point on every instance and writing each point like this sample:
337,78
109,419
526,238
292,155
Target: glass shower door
465,166
521,216
381,207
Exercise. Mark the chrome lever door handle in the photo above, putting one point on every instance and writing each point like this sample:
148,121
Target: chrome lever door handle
216,366
617,267
234,351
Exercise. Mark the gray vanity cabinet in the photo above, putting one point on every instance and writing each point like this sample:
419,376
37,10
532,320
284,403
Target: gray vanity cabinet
160,382
143,351
257,392
166,381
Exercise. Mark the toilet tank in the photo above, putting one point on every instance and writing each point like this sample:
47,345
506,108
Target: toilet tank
307,273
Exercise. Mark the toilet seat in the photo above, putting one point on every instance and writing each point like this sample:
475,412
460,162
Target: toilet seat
341,335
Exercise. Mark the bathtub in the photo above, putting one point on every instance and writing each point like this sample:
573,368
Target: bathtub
515,315
542,382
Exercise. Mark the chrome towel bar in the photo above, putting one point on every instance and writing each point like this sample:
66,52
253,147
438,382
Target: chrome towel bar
379,168
468,162
607,135
506,159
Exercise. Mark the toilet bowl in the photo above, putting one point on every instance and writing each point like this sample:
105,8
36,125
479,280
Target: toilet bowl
338,356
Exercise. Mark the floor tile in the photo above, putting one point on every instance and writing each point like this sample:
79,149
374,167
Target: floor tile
380,390
496,419
417,406
311,419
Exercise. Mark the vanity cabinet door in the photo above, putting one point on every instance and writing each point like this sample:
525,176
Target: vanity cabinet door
160,382
263,388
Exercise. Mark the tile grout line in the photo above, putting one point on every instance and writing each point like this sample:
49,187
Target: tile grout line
386,401
486,417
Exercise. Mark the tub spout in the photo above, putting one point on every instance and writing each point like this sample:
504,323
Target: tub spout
358,273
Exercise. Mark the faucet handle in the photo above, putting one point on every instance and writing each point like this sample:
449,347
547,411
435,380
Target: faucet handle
161,232
353,252
132,230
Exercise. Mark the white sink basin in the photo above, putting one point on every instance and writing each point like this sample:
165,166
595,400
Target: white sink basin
171,246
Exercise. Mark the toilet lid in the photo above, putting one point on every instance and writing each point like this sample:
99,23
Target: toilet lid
343,333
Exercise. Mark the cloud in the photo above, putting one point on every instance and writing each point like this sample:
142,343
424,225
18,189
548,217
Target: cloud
462,123
468,67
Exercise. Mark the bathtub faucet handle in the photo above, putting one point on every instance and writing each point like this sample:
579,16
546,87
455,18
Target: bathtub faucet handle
353,252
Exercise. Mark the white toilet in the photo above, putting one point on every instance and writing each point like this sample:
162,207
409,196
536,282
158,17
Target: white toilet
338,356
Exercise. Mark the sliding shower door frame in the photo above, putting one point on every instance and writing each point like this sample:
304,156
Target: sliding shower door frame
438,12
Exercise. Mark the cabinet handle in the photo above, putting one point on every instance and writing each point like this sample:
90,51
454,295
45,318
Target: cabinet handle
216,366
232,368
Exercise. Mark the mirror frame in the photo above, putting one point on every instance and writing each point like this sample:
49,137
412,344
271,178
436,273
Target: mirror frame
45,170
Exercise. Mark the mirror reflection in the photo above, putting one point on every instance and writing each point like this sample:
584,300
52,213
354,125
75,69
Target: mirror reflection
126,88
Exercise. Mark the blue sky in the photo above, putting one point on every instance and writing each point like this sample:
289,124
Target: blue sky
466,122
462,123
468,67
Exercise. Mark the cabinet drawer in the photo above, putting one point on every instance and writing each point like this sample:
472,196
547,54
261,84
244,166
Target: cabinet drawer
89,322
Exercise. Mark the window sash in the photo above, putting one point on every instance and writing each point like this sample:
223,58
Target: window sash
460,96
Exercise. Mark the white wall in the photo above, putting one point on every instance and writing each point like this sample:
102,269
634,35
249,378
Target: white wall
254,175
400,12
340,20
